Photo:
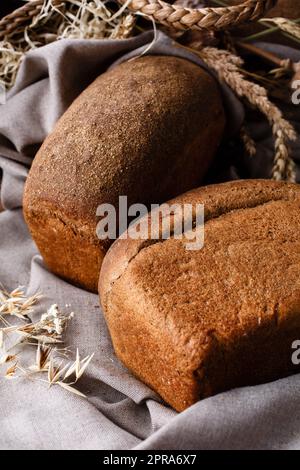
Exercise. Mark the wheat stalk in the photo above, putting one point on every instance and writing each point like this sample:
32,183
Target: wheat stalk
285,25
229,69
248,142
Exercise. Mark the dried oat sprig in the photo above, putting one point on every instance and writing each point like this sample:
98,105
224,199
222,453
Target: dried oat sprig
44,334
6,358
16,303
229,70
288,26
47,330
59,374
43,355
11,371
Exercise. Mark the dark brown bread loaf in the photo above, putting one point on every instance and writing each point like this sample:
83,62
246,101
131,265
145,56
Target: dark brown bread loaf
147,129
194,323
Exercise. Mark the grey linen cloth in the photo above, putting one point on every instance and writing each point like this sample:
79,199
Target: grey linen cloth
120,412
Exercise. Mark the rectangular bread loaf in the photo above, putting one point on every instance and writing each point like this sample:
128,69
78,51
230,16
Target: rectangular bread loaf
191,324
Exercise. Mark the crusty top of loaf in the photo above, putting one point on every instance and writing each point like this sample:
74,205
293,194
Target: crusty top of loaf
247,272
115,138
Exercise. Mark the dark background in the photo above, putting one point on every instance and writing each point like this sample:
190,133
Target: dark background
7,6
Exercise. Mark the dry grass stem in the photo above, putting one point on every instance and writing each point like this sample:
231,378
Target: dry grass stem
85,19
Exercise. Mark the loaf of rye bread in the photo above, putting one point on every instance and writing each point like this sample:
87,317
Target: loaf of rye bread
191,324
147,129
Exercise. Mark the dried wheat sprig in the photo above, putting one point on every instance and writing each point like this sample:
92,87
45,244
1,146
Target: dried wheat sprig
285,25
229,70
248,142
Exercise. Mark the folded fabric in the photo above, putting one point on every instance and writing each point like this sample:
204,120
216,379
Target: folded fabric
120,412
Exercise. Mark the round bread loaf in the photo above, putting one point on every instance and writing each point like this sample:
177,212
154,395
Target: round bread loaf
191,324
147,129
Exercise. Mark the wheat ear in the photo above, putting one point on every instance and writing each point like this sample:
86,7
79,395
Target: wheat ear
229,69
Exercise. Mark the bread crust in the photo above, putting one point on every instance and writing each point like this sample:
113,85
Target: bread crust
147,129
191,324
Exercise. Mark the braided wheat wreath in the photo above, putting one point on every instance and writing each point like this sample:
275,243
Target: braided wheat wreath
203,18
169,15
